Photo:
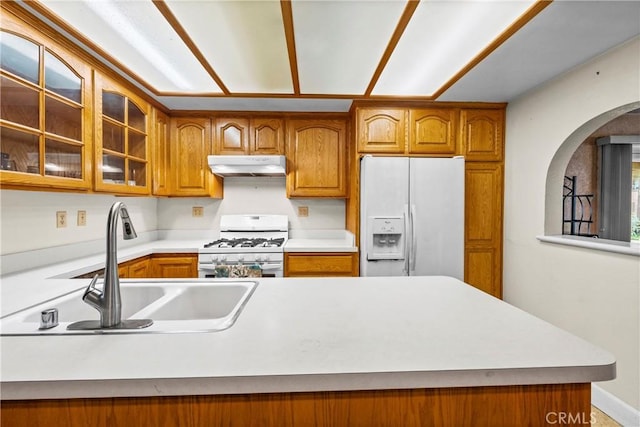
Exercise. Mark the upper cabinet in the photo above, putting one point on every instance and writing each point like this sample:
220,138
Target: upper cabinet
316,158
45,114
482,134
121,139
381,130
248,135
160,154
190,145
433,130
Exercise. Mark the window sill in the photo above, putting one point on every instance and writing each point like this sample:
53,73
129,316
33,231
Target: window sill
626,248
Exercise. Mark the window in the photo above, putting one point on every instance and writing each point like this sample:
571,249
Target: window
602,182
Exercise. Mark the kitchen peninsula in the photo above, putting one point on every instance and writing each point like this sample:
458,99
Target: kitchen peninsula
367,351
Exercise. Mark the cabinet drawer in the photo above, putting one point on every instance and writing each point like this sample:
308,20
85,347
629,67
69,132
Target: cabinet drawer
321,264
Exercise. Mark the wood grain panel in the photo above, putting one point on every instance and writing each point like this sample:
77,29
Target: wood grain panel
316,151
191,141
482,133
433,130
174,266
161,154
231,135
381,130
508,406
320,264
267,136
482,270
483,200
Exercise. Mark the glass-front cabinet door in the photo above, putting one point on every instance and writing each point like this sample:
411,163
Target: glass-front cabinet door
122,146
45,131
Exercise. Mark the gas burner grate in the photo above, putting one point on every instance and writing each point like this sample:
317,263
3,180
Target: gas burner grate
245,243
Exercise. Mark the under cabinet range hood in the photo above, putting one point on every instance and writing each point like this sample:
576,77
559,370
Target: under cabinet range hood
271,165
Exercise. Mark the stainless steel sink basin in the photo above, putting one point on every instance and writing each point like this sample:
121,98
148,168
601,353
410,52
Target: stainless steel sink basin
173,305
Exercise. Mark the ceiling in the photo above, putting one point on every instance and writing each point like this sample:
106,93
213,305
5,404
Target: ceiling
319,55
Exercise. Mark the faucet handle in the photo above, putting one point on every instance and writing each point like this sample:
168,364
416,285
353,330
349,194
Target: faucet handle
91,294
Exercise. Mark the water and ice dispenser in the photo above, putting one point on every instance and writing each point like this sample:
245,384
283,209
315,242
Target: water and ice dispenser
385,237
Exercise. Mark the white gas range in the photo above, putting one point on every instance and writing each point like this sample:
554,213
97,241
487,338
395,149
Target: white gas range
246,240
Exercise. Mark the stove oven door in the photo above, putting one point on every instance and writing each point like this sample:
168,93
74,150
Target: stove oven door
208,271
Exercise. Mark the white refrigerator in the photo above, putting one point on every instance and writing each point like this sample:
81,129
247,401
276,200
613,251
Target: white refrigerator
412,216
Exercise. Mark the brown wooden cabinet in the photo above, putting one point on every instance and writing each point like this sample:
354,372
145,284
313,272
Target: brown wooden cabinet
433,130
45,111
267,135
190,145
161,154
321,264
482,134
483,226
136,268
316,157
122,155
174,266
248,135
381,130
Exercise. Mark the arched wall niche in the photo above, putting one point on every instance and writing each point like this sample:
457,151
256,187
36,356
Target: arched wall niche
558,166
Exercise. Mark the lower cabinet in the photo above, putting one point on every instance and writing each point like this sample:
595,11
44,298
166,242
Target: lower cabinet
155,266
321,264
174,266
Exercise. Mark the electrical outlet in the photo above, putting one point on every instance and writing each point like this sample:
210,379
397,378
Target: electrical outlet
303,210
61,219
197,211
82,218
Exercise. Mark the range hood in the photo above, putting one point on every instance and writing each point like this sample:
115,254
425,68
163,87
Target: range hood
271,165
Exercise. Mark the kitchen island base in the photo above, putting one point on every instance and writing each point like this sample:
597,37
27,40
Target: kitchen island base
533,405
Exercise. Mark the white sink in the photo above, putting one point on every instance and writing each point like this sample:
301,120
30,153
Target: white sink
173,305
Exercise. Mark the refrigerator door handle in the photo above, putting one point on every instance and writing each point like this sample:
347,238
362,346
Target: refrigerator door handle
414,242
407,244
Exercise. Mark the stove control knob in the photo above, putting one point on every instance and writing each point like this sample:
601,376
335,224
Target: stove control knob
259,258
222,258
213,258
240,258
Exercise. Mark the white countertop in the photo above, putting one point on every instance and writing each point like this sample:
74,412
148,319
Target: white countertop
313,334
320,241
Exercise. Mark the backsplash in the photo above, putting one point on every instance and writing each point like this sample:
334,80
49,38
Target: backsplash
248,195
28,218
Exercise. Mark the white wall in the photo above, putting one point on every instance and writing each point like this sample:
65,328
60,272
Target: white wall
592,294
28,218
250,195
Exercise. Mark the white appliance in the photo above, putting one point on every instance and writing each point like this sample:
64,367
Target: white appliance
412,216
265,165
247,240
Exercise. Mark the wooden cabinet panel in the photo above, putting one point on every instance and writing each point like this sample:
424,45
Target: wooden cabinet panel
267,136
231,135
321,264
483,226
139,268
381,130
482,134
122,155
483,201
191,144
483,271
174,266
433,130
161,152
316,153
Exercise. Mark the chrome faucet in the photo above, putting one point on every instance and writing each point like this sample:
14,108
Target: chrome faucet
108,301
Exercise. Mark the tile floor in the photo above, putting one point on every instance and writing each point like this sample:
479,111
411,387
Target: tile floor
602,419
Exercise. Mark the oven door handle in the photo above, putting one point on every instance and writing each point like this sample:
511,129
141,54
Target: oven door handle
270,266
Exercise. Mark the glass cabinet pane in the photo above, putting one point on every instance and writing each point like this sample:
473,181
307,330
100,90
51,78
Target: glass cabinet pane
137,144
112,169
60,79
136,117
18,103
137,175
112,137
62,119
19,56
19,151
113,106
62,159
